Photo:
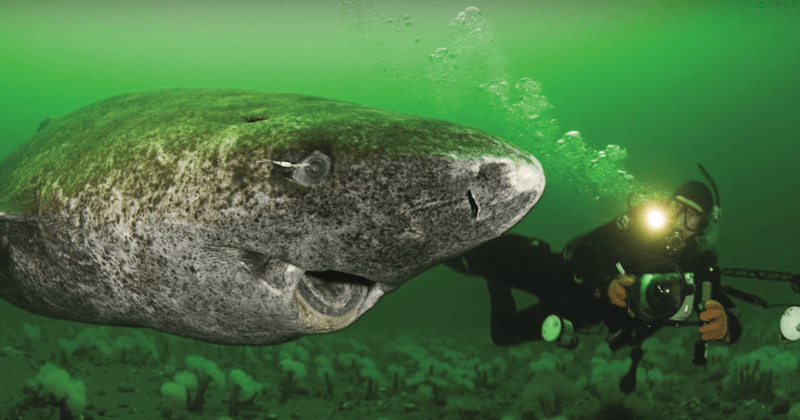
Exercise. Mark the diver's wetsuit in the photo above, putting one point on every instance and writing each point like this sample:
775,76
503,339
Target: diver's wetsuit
529,265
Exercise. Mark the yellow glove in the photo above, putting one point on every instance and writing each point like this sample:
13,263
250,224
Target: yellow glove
618,291
717,318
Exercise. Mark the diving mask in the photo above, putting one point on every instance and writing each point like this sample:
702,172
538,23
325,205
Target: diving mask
688,220
686,213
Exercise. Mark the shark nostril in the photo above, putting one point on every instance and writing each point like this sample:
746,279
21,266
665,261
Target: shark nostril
473,205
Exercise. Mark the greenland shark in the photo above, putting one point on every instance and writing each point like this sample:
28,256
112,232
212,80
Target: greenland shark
243,217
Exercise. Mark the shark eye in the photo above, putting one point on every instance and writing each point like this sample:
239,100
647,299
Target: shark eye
313,170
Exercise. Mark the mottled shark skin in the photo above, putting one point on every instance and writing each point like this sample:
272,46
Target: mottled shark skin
244,217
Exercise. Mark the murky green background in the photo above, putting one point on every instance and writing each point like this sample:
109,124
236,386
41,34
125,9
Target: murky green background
666,84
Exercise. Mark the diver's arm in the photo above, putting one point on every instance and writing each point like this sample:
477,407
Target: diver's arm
706,270
594,256
734,324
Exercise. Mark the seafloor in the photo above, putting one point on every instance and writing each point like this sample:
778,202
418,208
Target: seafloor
442,375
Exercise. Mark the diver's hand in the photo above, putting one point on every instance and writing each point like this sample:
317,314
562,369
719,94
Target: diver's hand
618,290
717,327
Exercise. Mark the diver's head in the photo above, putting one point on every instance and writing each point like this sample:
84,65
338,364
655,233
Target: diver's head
690,209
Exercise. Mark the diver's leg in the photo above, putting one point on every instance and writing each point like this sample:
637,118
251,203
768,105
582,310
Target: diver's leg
509,327
511,258
565,299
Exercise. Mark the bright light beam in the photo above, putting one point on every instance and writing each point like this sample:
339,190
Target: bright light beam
656,219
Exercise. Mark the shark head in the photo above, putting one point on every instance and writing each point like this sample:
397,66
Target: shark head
374,204
252,218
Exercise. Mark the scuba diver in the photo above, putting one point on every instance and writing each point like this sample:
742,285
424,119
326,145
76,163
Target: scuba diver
651,267
636,274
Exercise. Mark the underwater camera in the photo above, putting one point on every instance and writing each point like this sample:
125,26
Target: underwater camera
662,293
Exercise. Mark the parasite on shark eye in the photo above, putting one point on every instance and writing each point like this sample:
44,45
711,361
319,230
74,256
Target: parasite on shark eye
313,170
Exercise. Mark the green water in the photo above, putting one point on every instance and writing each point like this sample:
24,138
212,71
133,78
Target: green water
655,86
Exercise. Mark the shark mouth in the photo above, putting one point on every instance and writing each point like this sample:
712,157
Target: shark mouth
329,300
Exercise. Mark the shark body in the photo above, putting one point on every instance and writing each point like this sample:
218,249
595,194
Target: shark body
243,217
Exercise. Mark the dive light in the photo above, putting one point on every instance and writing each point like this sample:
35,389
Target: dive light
560,331
656,218
790,325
